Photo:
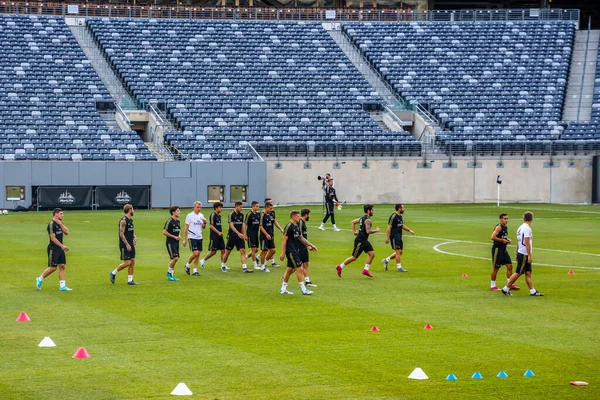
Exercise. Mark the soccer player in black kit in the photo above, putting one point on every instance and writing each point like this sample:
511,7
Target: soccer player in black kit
361,242
172,231
216,242
500,254
267,243
236,236
127,242
331,201
252,222
304,217
394,235
291,244
56,251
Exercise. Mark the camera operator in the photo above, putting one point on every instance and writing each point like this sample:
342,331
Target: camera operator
331,201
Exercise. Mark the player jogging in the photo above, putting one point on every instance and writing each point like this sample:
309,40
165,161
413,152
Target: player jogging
275,223
194,223
524,259
216,236
361,242
236,237
393,236
127,242
304,217
172,231
56,251
291,244
500,254
252,223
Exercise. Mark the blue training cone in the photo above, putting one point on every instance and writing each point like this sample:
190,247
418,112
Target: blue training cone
477,375
529,373
451,377
502,374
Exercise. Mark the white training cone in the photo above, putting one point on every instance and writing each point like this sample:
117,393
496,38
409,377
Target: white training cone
181,390
418,374
47,342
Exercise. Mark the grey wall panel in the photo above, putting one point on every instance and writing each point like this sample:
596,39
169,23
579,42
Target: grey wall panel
142,173
182,169
92,173
183,192
64,173
41,173
3,187
161,187
119,173
257,182
18,174
208,174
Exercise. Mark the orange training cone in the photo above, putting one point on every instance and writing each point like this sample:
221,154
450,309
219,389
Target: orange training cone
81,353
374,329
428,326
465,275
571,272
23,317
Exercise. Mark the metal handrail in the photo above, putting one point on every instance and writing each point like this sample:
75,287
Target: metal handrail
124,115
254,152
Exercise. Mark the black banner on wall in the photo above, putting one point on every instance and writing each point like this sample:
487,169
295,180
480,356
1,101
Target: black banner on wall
64,196
118,196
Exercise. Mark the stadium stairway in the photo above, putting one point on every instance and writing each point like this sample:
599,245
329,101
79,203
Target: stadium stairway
581,77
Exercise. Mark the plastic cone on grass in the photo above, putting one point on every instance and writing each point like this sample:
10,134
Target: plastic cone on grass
571,272
529,373
451,377
181,390
81,353
418,374
374,329
502,374
477,375
465,275
23,317
428,326
47,342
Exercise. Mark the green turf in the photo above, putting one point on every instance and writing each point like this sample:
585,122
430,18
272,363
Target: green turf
232,336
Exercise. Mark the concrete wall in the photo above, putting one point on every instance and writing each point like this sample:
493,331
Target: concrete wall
569,181
179,183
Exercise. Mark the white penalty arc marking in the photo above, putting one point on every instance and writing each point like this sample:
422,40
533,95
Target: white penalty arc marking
437,248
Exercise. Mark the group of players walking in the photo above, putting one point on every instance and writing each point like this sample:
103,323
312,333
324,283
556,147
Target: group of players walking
257,229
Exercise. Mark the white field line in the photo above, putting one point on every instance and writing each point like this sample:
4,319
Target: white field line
437,248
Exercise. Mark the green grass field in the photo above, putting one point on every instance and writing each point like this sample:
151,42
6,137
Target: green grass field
232,336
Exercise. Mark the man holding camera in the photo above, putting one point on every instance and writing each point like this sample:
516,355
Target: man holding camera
330,199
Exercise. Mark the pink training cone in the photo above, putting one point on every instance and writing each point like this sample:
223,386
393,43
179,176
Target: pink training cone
374,329
428,326
81,353
465,275
571,272
23,317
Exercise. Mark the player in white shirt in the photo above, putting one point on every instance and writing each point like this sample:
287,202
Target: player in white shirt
194,223
524,258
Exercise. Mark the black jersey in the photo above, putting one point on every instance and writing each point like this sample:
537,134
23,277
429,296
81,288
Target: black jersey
215,220
330,195
293,233
266,221
502,235
363,235
173,227
128,231
303,229
55,228
252,222
238,222
395,221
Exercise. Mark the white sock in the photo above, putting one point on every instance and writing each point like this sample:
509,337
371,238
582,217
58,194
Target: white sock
505,288
41,278
195,270
532,291
187,265
387,259
244,266
223,265
399,266
115,271
303,286
272,261
322,224
62,283
367,266
283,286
170,270
493,283
334,226
307,279
129,278
263,266
507,279
342,265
